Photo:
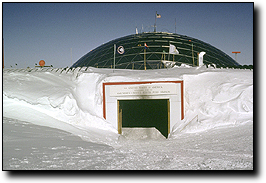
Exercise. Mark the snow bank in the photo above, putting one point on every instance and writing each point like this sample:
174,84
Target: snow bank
215,99
60,100
71,100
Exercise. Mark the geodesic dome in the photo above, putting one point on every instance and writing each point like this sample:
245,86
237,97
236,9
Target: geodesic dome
153,50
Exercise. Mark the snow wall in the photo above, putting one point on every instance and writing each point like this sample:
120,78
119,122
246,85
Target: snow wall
71,100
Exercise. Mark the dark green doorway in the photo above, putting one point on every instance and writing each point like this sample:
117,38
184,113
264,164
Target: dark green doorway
144,113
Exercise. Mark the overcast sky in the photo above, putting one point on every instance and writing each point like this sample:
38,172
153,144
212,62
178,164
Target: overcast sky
49,31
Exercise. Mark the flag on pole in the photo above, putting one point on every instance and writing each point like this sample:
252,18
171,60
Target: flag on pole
173,50
158,15
146,46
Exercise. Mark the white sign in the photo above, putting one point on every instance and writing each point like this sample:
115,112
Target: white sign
144,89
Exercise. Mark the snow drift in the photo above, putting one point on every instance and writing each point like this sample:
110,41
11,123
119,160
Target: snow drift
71,100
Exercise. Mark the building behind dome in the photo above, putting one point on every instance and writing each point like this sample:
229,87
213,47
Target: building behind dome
151,51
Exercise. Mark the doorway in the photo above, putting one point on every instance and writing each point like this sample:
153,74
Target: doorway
144,113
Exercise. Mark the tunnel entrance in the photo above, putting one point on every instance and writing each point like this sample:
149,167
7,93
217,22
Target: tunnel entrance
144,113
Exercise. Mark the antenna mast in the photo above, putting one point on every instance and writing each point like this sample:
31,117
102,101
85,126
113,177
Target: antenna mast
155,22
236,52
175,25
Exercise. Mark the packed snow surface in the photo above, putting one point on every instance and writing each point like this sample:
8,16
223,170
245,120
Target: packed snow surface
53,120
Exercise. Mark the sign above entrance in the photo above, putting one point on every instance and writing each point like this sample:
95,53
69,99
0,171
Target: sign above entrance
144,89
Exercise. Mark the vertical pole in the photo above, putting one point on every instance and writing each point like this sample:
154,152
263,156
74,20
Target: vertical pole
175,25
155,22
198,60
192,55
236,52
144,59
119,125
114,54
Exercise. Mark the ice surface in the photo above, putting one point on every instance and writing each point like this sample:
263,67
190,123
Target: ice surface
61,111
33,147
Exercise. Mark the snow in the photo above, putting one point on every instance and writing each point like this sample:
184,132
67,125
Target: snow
53,120
28,146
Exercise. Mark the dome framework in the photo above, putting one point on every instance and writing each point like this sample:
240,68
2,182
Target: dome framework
155,55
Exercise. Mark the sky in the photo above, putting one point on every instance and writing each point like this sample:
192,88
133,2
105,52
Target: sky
61,33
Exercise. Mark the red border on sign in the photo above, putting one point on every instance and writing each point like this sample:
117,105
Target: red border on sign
144,82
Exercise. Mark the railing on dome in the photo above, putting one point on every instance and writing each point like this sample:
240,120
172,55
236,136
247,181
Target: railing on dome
139,65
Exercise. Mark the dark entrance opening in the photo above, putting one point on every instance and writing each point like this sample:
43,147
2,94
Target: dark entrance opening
145,113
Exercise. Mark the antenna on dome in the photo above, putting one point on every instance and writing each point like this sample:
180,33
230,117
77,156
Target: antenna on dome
175,25
236,52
